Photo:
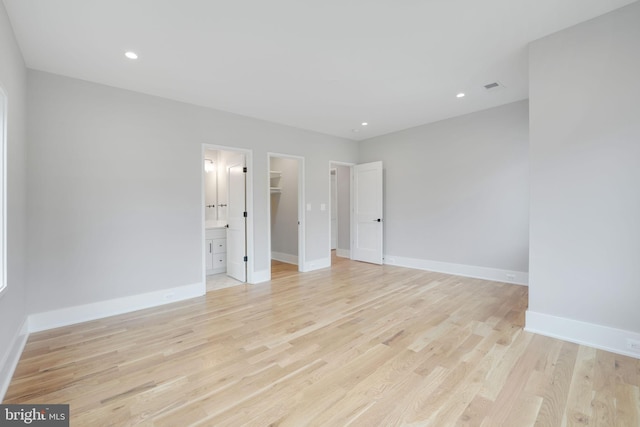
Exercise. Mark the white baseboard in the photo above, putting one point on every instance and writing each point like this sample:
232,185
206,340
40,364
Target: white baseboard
282,257
260,276
317,264
98,310
579,332
12,357
344,253
494,274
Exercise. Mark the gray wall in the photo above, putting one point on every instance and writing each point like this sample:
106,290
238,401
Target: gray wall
284,208
13,81
585,171
115,188
457,190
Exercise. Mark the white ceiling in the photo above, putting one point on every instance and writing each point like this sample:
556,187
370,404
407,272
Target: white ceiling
323,65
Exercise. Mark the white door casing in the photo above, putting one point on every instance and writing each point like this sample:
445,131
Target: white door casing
237,221
334,209
367,221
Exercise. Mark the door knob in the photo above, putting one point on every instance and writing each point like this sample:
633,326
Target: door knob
377,220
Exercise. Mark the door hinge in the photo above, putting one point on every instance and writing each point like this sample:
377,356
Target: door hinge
244,214
246,258
244,169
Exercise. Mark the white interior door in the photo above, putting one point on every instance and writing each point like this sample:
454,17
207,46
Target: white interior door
237,220
367,218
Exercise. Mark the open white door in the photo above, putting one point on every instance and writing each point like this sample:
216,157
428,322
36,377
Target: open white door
366,227
237,226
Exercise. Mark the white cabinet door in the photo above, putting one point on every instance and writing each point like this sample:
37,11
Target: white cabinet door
367,213
219,246
208,253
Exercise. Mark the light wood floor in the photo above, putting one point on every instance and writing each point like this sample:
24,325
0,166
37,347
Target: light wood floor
356,344
283,270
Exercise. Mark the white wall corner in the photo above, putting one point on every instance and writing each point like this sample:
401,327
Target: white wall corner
282,257
12,357
344,253
98,310
486,273
316,264
584,333
260,276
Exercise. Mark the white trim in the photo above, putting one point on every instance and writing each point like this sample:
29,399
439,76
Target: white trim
317,264
4,117
261,276
98,310
333,171
494,274
12,357
282,257
344,253
579,332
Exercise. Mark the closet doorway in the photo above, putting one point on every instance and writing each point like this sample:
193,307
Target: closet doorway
286,214
340,210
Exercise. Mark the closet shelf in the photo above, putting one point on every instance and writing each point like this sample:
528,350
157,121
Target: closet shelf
276,189
275,174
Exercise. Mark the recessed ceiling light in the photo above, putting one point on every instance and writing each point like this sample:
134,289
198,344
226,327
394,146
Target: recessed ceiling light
131,55
460,95
364,123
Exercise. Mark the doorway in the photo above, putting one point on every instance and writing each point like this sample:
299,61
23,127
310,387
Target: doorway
227,219
286,214
340,210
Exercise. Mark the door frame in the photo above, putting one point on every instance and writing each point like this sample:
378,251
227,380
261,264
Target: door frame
301,211
248,155
334,183
350,166
354,215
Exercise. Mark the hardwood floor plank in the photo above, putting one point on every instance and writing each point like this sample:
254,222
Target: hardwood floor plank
357,345
554,400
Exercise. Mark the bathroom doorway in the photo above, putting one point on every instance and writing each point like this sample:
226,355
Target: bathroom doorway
228,223
286,214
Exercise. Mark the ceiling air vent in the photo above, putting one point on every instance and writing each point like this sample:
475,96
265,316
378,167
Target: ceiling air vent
490,87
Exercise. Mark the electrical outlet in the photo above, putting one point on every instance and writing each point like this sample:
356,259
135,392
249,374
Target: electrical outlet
633,345
511,276
169,295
